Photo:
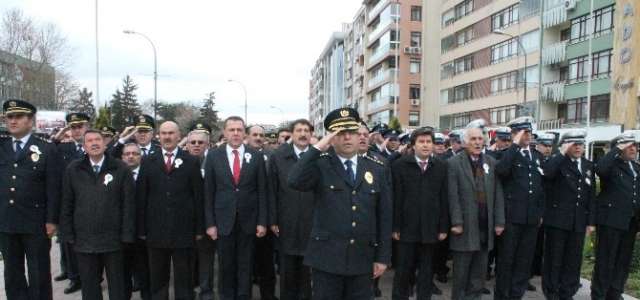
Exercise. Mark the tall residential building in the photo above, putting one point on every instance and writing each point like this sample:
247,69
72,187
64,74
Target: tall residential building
27,79
354,70
327,81
393,50
480,68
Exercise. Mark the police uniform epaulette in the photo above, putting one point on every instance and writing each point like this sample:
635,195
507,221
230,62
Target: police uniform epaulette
375,160
43,139
4,136
325,154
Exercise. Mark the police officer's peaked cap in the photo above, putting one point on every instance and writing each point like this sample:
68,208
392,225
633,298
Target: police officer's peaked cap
342,119
573,136
503,133
546,139
439,138
77,118
145,122
380,128
201,127
17,106
522,123
108,130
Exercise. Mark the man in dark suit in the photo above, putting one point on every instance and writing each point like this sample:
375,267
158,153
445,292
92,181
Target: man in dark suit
170,214
569,212
421,214
198,146
136,260
476,207
520,170
98,216
617,216
350,242
291,212
30,181
141,133
77,124
264,268
235,208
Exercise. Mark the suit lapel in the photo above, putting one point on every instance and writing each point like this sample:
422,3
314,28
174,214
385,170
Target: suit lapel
339,169
359,172
222,156
466,167
8,149
25,148
244,165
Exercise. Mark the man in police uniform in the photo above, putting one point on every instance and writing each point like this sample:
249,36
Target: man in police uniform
108,135
617,215
377,140
77,124
350,242
439,148
569,212
142,132
30,184
503,142
455,144
520,170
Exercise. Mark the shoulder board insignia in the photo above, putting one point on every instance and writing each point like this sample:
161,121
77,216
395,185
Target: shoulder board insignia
4,136
371,158
325,154
43,139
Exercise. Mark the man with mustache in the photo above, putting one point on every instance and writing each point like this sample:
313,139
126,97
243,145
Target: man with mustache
98,216
350,241
476,207
170,214
236,208
291,212
30,180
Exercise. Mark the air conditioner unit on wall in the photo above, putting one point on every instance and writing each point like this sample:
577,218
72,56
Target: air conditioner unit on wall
570,4
415,102
416,50
407,50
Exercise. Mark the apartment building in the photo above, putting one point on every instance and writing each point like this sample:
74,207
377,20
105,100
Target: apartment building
354,71
487,62
393,51
26,79
326,90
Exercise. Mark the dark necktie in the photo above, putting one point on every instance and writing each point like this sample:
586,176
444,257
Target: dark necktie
423,166
527,154
300,155
144,151
350,175
18,149
96,169
576,162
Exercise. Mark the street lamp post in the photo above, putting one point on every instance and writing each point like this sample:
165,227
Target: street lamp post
155,71
524,53
245,97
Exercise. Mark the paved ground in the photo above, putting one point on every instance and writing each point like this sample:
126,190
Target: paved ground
58,287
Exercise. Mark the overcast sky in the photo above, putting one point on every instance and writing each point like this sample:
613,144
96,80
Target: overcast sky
269,45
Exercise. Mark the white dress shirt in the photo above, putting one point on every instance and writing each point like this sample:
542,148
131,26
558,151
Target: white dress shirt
231,156
23,141
579,161
99,164
298,151
418,161
173,157
135,173
354,163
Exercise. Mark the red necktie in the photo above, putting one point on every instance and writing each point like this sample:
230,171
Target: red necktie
168,165
423,166
236,167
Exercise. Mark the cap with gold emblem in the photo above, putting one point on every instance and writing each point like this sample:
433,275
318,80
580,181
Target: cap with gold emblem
108,131
17,106
342,119
77,118
145,122
522,123
201,127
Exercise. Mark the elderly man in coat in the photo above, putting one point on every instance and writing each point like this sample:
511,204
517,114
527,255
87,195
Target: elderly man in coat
476,207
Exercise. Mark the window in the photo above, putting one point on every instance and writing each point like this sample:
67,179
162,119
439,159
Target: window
602,64
565,34
463,9
464,36
463,64
416,13
504,50
461,120
416,39
530,41
462,92
448,18
504,83
445,96
505,18
414,118
577,69
576,109
447,70
414,92
502,115
604,20
579,28
414,67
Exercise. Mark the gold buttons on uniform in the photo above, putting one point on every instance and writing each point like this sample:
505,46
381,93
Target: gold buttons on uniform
353,224
353,193
15,165
13,177
352,241
10,201
331,187
12,189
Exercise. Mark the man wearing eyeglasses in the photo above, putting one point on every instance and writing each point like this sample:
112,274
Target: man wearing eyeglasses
198,146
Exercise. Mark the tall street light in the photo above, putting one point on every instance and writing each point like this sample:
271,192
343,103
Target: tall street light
155,71
245,98
524,53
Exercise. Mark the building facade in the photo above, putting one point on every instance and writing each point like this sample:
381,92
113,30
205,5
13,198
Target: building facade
327,81
26,79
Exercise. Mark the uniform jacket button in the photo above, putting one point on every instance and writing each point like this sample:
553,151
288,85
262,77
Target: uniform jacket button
353,193
11,202
353,208
352,241
353,224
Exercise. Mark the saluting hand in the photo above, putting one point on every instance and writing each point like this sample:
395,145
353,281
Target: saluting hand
565,147
624,146
325,142
518,137
442,236
128,132
457,230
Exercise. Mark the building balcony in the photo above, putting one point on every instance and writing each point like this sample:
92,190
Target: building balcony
379,54
381,78
373,13
550,124
553,92
555,13
555,53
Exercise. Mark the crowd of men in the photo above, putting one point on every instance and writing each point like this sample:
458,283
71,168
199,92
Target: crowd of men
328,215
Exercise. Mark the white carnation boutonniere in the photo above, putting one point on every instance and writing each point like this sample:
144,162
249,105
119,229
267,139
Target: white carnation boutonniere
247,157
35,149
486,168
108,178
178,162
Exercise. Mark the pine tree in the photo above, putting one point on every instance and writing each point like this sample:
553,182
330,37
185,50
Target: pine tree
83,103
104,117
208,114
124,104
394,123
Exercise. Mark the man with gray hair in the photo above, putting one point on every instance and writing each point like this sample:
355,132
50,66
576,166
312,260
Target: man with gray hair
476,208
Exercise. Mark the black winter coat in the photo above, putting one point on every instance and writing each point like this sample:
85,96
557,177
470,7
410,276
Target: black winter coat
619,198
